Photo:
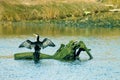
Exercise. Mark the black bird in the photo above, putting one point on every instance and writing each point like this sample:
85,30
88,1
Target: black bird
37,45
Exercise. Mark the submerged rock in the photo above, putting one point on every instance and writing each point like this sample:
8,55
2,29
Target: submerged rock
70,51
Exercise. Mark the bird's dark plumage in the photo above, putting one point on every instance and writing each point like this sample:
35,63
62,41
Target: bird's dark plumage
37,45
29,44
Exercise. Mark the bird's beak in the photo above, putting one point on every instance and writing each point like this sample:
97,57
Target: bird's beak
35,34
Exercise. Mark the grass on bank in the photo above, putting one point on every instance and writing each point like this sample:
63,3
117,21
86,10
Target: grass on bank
86,13
114,2
67,11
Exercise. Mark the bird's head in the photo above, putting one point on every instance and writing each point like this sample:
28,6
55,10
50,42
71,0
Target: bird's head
36,34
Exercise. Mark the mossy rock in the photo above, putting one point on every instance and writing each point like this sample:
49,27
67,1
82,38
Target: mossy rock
29,55
65,52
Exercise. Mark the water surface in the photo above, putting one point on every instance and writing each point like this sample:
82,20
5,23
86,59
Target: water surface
103,42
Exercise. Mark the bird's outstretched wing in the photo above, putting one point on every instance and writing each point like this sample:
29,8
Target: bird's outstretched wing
28,44
47,42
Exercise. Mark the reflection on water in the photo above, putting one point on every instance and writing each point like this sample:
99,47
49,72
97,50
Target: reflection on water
103,42
51,30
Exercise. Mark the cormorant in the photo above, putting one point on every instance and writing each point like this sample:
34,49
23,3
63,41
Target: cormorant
37,45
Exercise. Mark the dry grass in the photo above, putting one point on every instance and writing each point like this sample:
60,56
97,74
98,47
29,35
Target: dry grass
38,2
24,10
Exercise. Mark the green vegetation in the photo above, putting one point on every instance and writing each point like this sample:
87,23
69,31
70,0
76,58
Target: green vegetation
72,13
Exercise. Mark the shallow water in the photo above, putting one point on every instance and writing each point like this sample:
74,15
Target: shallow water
104,45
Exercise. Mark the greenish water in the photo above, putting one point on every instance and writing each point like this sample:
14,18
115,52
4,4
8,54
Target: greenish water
47,29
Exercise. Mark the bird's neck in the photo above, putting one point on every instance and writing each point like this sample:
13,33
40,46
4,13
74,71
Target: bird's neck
37,38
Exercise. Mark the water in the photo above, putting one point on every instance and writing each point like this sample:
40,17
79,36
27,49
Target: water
104,45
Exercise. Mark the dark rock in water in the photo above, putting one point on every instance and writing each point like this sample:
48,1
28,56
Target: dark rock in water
70,51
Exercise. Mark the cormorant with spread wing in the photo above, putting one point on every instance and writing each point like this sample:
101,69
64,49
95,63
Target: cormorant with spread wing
37,45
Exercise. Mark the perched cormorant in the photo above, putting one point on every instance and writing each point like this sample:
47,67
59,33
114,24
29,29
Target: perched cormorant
37,45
